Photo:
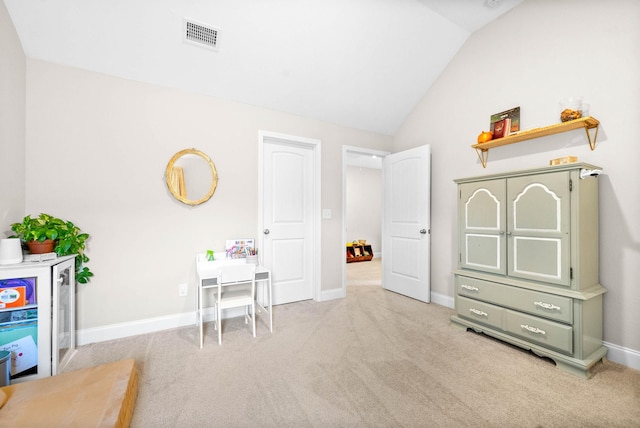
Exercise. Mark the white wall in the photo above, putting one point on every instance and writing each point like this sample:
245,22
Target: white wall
97,146
97,149
531,57
364,206
12,123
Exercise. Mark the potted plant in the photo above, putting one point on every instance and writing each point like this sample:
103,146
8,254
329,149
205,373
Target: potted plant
64,237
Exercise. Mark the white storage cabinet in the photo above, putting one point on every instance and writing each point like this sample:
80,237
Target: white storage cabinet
41,332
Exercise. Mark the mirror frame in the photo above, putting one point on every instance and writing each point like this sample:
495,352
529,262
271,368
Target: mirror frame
169,170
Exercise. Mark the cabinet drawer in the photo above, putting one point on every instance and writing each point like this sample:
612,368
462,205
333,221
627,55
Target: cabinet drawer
543,332
545,305
480,312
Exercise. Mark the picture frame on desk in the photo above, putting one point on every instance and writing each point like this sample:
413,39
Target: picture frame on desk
239,248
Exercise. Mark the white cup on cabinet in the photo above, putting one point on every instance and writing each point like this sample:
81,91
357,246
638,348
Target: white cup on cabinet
10,251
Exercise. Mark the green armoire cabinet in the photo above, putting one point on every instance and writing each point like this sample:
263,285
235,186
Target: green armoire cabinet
528,262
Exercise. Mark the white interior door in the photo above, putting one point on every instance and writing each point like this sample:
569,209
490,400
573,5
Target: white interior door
406,223
289,218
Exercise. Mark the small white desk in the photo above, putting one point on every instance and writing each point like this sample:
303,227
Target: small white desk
208,278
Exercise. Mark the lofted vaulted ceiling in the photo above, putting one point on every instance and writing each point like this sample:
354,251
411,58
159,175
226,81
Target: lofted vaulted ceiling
358,63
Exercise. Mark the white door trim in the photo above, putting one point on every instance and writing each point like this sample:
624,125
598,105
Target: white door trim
315,146
345,152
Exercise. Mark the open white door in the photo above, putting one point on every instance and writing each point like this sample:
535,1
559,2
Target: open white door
406,223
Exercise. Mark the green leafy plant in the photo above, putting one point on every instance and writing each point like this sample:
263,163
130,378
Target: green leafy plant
68,237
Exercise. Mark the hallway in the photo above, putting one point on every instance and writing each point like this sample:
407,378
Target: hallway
365,273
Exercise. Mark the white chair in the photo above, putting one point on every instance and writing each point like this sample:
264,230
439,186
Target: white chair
236,287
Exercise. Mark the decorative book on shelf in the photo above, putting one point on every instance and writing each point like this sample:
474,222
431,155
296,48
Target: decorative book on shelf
505,123
501,128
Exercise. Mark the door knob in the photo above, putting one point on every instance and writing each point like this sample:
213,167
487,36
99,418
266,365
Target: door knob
423,231
266,231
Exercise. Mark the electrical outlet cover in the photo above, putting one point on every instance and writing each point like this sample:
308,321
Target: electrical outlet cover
182,290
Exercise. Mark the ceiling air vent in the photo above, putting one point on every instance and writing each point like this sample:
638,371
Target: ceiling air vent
200,34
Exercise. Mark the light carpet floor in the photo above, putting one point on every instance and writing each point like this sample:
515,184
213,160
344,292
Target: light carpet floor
364,273
372,359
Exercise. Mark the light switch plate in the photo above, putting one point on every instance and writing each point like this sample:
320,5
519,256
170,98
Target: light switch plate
326,213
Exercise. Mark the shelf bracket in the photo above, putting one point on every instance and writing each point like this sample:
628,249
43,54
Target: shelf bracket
592,143
483,155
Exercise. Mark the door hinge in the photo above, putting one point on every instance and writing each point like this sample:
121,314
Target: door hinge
571,273
570,185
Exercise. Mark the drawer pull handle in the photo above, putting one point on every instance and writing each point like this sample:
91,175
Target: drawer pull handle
547,305
469,287
535,330
478,312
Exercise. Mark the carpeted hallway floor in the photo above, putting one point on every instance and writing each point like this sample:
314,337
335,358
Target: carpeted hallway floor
365,273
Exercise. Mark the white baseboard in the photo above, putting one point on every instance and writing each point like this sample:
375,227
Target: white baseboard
151,325
621,355
333,294
442,300
618,354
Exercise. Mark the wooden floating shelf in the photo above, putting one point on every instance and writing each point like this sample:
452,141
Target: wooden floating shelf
585,123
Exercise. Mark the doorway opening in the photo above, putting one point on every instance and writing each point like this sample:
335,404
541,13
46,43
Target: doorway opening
362,213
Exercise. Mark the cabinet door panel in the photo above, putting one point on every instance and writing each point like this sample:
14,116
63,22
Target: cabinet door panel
482,225
538,227
63,314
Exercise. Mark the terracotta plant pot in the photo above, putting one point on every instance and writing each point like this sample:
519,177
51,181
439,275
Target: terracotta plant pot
37,247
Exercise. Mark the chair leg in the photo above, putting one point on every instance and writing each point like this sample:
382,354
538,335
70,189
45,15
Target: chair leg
253,317
219,321
200,328
200,321
215,311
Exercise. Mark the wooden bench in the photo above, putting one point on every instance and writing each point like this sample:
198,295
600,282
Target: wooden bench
101,396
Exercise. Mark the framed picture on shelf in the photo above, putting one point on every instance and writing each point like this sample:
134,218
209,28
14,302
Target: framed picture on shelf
505,123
